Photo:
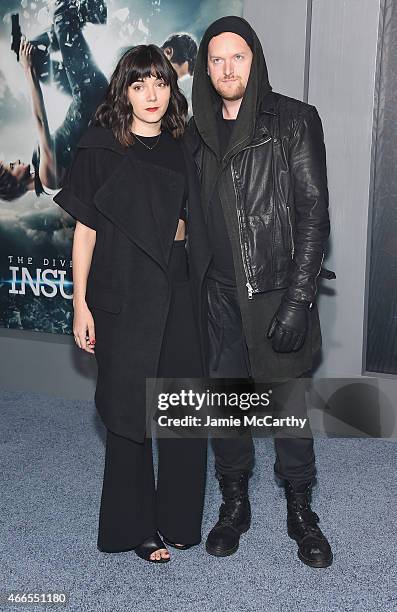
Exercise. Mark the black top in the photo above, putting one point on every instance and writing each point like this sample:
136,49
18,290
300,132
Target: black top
222,268
167,153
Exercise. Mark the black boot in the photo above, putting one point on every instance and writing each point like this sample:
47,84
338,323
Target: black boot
234,515
314,548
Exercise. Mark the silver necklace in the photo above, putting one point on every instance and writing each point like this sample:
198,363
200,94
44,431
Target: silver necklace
144,144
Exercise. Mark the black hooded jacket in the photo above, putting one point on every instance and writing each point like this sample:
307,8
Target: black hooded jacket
275,167
272,184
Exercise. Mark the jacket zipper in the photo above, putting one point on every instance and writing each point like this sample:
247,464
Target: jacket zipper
247,284
315,279
290,229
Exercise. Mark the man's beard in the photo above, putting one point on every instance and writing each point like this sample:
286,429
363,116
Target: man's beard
235,93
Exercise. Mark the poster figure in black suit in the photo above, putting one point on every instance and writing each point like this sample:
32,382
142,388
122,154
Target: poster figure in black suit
181,50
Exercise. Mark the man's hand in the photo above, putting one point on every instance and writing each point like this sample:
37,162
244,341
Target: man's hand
289,325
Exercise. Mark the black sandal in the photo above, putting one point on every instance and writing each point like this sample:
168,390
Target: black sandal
149,546
179,546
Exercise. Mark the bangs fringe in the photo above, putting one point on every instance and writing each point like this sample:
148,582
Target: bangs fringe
148,62
136,64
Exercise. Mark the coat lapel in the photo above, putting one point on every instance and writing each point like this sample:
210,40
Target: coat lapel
165,188
144,204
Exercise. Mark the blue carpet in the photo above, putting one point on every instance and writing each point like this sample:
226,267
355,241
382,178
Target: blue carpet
52,453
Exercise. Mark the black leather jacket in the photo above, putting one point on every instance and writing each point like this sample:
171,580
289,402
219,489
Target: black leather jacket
278,184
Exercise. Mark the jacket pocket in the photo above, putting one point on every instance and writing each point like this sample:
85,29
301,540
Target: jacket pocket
110,300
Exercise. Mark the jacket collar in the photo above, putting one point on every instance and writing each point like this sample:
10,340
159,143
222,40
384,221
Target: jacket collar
266,116
103,138
268,104
267,110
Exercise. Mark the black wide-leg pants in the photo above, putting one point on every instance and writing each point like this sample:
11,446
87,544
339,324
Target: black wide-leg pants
295,459
132,507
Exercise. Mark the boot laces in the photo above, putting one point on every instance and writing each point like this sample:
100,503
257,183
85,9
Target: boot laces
229,512
306,517
307,520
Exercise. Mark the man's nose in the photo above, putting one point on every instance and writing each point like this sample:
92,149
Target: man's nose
228,68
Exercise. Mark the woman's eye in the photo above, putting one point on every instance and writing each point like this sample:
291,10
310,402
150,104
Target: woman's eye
239,56
137,87
162,84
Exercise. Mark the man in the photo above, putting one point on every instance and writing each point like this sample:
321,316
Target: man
78,76
181,50
262,164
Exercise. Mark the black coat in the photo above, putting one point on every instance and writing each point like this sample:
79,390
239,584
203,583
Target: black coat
134,208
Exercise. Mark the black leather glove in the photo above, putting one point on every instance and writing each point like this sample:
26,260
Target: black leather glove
289,325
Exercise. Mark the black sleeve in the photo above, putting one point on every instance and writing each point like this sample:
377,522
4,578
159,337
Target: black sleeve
79,187
308,164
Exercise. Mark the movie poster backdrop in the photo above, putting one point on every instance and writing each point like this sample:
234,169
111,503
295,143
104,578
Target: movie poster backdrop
75,47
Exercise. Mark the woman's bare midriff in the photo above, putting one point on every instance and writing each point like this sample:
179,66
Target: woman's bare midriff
180,231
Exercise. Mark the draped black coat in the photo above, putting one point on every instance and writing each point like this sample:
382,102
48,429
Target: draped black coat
134,208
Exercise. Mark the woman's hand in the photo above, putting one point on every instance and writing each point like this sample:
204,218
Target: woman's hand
83,324
26,52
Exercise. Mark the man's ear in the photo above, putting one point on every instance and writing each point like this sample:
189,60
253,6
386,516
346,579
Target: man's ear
169,52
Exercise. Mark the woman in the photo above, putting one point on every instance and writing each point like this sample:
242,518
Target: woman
140,254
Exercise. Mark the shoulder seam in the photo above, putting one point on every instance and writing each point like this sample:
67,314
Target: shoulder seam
97,137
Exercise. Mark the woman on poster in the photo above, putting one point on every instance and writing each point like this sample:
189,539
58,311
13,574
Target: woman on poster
140,254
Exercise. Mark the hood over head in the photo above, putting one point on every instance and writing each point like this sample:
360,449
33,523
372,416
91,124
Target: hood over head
206,101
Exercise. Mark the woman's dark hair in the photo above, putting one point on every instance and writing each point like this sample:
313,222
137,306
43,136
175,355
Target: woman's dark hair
136,64
10,187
